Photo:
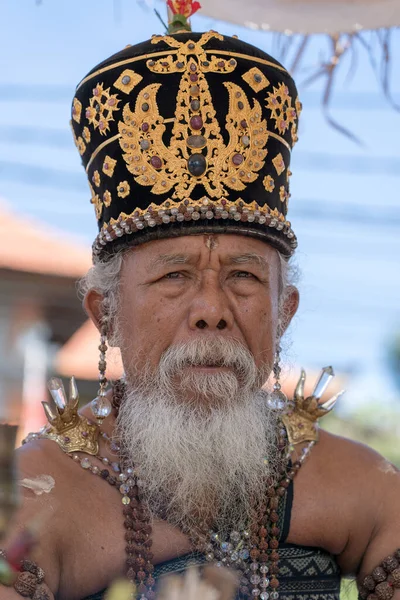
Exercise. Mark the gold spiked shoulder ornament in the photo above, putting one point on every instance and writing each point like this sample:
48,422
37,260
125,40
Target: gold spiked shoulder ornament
71,431
301,418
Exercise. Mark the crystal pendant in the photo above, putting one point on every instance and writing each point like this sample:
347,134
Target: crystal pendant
57,391
101,407
277,400
324,379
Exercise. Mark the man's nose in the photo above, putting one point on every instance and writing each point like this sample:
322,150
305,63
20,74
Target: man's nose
210,308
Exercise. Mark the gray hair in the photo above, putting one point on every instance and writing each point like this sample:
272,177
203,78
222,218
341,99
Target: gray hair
104,277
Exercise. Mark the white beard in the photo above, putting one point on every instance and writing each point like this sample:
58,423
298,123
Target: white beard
204,460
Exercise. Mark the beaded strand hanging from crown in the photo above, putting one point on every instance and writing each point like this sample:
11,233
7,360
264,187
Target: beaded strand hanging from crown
277,398
101,406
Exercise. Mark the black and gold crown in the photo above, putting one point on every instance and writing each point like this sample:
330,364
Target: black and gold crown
188,133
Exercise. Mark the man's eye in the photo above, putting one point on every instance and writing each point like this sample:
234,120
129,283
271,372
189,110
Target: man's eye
244,275
173,275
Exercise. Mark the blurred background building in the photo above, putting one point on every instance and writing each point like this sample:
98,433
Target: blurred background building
345,209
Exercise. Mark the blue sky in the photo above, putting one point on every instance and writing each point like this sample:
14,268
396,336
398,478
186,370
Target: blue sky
345,205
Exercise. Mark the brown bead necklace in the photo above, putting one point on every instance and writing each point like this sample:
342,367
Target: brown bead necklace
254,552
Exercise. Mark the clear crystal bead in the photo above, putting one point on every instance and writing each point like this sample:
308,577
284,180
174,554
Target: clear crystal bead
209,556
122,477
226,547
244,554
255,579
264,582
235,536
254,566
234,556
264,569
124,489
215,537
274,596
264,596
255,592
101,407
219,564
246,534
277,400
85,463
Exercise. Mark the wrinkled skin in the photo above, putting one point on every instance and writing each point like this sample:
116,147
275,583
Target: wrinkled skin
176,289
346,496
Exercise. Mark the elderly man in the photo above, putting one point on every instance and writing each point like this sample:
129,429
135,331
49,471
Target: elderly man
186,141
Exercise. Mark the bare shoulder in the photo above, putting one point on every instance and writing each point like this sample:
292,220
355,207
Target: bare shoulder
358,466
345,484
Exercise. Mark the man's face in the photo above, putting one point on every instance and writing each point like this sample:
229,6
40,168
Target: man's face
178,290
197,327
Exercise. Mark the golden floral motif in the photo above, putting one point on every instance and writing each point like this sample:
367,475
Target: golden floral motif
86,135
269,183
107,198
98,205
76,110
256,79
80,144
187,51
298,106
127,81
280,104
295,137
232,165
101,107
123,189
109,166
278,163
96,178
283,194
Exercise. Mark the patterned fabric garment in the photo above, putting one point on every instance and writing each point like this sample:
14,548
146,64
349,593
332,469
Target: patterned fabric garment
305,573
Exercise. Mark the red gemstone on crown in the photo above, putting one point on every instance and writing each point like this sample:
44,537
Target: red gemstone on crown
194,77
196,122
145,127
156,162
237,159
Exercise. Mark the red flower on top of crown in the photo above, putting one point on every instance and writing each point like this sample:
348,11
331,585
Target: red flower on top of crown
186,8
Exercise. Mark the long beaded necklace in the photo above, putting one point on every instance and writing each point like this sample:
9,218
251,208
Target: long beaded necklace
252,551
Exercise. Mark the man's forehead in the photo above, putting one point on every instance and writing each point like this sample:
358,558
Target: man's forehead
190,244
226,248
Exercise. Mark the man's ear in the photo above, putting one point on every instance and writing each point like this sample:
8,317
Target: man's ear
93,305
289,308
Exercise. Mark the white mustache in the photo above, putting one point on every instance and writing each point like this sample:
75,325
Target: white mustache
217,352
